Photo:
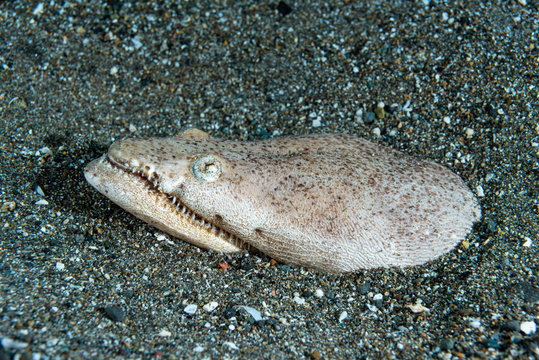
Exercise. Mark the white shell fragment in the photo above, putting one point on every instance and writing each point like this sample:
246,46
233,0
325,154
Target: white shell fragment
190,309
209,307
528,327
417,307
164,333
257,315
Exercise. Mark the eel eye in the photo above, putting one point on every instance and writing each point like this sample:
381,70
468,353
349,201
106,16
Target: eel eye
207,168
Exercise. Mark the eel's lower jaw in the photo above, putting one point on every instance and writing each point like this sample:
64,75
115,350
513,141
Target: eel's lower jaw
138,193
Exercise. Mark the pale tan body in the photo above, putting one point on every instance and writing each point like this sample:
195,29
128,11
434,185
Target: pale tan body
336,203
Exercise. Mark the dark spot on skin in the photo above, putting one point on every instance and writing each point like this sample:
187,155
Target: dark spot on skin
218,219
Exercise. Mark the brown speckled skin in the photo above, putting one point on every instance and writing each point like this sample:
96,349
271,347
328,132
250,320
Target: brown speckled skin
336,203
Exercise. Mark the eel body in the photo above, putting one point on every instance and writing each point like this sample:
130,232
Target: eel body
336,203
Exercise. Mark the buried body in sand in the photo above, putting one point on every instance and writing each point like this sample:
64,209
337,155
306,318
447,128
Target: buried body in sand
335,203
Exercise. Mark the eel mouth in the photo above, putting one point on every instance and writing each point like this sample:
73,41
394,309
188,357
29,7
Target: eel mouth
166,212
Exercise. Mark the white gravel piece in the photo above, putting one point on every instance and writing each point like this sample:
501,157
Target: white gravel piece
164,333
191,309
528,327
257,315
209,307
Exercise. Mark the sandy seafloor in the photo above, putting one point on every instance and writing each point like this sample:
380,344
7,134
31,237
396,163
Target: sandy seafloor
460,86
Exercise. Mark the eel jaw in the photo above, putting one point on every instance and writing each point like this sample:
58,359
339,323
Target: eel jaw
140,194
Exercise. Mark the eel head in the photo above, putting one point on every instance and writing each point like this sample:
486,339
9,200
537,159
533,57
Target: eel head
161,181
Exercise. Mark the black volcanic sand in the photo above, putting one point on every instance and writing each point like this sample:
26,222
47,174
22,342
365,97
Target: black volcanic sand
81,278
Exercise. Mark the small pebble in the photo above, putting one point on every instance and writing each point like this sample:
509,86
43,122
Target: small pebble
41,202
417,308
8,343
530,293
52,342
512,325
283,8
364,289
331,295
319,293
136,43
38,9
231,345
372,308
528,327
447,344
160,237
343,316
60,266
190,309
164,333
199,349
480,192
475,323
256,315
40,191
380,112
114,313
358,117
209,307
494,342
9,206
43,151
299,300
491,225
369,118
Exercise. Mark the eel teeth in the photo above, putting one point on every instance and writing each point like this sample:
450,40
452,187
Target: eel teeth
155,188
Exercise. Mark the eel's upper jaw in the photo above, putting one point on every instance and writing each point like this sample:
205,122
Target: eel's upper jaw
133,191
